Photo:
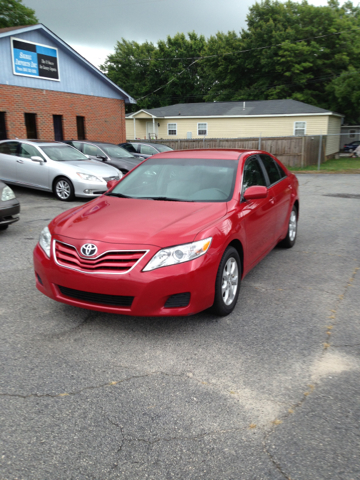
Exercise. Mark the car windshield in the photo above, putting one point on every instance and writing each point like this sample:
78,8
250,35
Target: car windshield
187,180
116,151
163,148
63,153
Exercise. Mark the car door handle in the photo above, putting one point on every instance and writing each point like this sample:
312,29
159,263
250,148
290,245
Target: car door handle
20,161
272,200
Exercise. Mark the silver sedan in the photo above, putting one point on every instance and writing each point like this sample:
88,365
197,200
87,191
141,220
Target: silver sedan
54,167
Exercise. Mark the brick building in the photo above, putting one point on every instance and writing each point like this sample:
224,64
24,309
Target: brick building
50,92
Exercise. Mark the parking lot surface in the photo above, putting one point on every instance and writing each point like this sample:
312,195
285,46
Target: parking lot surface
269,392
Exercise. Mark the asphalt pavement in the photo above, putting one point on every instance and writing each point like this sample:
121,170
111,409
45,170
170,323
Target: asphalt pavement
269,392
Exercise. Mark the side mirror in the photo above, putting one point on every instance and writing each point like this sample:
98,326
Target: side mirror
255,192
101,157
111,183
37,159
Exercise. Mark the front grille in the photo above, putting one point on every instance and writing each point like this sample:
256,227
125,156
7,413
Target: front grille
178,300
119,261
98,298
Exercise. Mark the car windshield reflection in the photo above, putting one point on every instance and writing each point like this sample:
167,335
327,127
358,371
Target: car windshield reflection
63,153
188,180
115,151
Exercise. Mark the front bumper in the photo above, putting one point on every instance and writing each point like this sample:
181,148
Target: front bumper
155,293
9,212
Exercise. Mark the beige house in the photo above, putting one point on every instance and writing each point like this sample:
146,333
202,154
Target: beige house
263,118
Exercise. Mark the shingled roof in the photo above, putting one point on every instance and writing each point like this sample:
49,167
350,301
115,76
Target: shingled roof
237,109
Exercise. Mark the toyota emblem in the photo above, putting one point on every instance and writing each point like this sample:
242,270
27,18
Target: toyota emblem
88,249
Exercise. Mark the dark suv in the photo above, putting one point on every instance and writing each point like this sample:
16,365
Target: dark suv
109,153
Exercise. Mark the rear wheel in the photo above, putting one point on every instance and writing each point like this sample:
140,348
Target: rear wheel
227,285
3,227
63,189
290,239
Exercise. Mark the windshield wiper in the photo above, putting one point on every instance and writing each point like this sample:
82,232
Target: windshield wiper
120,195
168,199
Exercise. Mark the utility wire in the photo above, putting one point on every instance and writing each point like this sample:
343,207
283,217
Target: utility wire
240,51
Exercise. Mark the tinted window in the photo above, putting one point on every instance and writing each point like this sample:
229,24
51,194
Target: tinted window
10,148
192,180
271,168
253,174
128,147
282,172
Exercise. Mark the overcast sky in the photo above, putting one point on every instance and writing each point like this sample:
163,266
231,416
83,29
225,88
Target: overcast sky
92,27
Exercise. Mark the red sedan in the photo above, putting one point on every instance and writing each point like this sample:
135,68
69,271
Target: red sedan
173,237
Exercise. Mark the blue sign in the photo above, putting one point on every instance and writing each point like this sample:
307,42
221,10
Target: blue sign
35,60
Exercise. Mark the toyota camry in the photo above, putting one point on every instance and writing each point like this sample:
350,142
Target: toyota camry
175,236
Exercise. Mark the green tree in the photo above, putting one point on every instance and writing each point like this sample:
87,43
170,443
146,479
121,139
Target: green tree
168,69
289,50
14,14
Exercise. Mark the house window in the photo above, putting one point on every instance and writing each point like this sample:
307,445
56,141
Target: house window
299,128
202,128
30,124
352,133
3,133
80,125
172,128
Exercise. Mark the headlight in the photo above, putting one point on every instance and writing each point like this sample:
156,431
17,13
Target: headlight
88,178
179,254
45,241
7,194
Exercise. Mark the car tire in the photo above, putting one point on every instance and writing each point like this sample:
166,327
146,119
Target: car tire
64,189
227,284
3,227
290,239
350,150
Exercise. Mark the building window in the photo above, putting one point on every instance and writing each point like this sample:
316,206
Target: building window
80,125
3,134
58,128
299,128
352,133
202,128
30,124
172,128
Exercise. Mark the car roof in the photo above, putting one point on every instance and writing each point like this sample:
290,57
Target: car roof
207,153
40,143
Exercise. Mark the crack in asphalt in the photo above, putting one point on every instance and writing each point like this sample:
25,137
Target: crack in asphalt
298,405
76,392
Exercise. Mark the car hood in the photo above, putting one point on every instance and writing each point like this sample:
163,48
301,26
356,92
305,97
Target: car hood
94,167
135,221
132,161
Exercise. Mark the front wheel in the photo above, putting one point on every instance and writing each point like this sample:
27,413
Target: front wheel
64,189
290,239
227,284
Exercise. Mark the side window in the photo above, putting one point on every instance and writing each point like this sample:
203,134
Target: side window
271,168
77,145
92,150
282,172
9,148
28,151
253,174
147,150
129,147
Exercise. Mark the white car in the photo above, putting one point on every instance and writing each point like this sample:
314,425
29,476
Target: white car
54,167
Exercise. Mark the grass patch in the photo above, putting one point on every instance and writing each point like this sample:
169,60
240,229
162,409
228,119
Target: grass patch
340,165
